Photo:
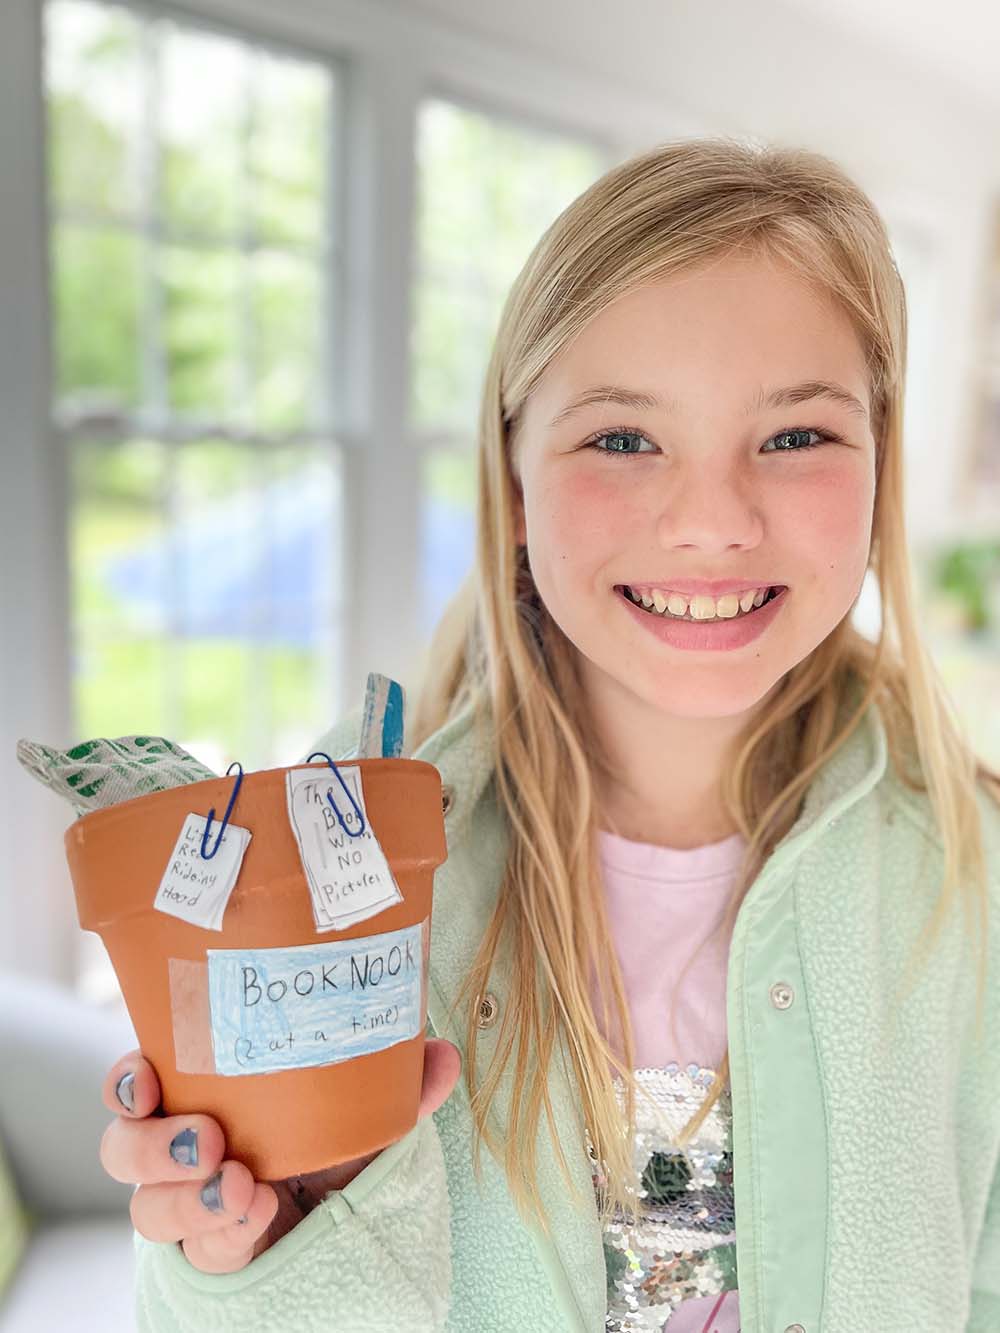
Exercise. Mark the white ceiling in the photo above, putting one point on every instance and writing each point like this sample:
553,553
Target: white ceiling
955,46
959,42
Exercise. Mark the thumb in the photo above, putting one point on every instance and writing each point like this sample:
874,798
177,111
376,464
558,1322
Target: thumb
442,1070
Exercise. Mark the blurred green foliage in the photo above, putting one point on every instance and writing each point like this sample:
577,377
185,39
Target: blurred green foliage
967,572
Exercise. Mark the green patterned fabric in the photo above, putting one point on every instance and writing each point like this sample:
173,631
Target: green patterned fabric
98,773
15,1223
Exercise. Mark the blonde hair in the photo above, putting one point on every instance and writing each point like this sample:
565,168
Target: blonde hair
672,208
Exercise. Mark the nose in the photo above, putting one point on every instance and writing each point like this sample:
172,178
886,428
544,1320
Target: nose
708,508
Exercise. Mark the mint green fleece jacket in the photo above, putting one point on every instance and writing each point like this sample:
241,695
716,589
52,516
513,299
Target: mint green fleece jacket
866,1180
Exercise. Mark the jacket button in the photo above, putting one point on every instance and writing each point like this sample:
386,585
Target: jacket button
447,799
782,996
488,1010
795,1328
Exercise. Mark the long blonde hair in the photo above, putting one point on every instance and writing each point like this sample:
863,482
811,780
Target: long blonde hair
672,208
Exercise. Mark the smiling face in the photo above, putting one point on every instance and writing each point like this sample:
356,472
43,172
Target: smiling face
700,487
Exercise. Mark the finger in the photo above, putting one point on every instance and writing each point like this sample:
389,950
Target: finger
131,1086
171,1212
231,1248
158,1150
442,1069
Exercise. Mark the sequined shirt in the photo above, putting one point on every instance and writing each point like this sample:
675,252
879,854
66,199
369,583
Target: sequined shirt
678,1269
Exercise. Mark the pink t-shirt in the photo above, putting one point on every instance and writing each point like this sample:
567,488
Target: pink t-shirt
663,904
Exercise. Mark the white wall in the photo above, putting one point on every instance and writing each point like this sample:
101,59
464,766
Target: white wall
33,648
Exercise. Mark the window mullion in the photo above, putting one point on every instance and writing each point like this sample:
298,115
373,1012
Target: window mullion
155,376
386,547
245,345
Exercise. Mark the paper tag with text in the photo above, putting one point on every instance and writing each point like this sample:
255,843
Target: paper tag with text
316,1004
196,889
349,877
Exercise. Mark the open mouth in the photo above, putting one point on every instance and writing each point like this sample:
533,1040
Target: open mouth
627,593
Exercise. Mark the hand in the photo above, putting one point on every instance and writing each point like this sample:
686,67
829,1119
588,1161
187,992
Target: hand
221,1216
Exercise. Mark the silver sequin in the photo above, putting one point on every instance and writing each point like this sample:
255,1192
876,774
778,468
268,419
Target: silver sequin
687,1248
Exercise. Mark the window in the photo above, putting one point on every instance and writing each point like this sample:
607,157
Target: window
193,273
192,269
486,191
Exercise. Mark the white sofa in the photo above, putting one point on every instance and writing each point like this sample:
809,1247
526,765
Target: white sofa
55,1050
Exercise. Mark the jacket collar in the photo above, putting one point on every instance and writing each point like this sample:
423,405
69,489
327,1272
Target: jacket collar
462,752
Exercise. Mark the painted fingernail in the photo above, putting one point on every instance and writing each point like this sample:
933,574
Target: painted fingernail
184,1147
211,1193
125,1091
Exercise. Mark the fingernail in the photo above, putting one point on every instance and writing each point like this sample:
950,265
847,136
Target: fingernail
241,1221
184,1147
211,1193
125,1091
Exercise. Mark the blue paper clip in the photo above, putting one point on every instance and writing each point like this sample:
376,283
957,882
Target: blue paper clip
207,856
361,819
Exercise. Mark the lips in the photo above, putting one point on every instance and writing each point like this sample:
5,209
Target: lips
700,636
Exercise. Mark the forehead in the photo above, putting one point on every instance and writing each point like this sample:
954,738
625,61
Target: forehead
714,337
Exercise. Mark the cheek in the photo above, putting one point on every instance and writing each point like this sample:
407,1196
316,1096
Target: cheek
587,510
832,524
840,511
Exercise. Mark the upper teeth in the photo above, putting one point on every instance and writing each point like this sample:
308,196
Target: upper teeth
702,608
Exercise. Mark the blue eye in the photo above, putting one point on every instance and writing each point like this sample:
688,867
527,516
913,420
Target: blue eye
627,433
622,434
801,430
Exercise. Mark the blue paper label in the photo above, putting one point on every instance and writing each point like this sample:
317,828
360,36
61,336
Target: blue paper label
315,1004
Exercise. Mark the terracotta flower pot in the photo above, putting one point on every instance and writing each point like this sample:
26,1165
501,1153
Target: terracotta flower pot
338,1105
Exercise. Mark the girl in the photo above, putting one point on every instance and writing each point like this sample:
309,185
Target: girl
707,842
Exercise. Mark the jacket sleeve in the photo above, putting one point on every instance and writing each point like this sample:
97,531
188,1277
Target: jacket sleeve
984,1312
373,1256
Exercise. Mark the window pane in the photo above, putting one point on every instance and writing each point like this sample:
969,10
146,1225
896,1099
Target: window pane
94,107
120,649
200,330
120,685
448,527
289,148
204,91
286,309
96,287
118,510
257,577
208,297
207,594
486,190
455,324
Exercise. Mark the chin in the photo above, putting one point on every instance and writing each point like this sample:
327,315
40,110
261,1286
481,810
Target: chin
696,692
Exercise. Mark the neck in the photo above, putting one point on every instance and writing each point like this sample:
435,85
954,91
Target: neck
665,781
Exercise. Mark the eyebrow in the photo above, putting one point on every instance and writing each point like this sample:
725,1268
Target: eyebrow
788,396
